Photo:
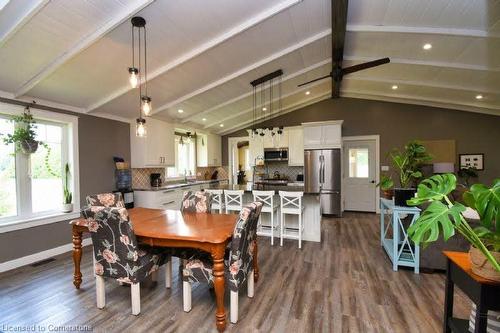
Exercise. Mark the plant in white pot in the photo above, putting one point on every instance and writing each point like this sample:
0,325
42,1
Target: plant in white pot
443,215
67,195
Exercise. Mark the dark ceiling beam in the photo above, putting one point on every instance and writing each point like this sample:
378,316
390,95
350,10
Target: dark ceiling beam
339,27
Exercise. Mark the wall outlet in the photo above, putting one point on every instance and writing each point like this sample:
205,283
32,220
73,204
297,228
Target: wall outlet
384,168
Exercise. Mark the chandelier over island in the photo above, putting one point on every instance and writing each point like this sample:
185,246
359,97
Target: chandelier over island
138,75
266,104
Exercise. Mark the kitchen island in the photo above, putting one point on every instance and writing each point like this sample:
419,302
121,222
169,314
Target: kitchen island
311,203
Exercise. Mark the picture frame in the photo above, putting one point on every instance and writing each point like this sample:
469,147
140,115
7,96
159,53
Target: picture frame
471,161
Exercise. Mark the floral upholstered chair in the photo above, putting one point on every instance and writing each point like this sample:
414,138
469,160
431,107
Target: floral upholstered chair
117,254
106,200
240,263
197,202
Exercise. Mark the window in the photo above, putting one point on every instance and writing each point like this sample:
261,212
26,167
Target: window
185,158
31,184
358,163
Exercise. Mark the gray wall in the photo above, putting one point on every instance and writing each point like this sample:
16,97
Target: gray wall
99,140
398,123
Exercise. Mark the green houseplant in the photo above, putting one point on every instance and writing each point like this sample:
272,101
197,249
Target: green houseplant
67,195
466,174
386,184
408,164
444,216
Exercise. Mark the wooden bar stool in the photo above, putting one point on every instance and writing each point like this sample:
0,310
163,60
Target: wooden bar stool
233,200
269,206
291,204
217,199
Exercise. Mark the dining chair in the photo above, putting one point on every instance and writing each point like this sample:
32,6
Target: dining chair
217,199
233,200
106,200
291,204
117,254
196,202
239,264
269,205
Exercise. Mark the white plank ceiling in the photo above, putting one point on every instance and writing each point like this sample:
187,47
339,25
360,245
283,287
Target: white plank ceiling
202,54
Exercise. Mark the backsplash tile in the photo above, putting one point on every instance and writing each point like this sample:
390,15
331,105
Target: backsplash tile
140,177
284,170
204,173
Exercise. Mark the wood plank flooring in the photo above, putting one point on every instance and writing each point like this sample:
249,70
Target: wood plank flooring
343,284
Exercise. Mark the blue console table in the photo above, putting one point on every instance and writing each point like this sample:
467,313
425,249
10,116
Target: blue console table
399,248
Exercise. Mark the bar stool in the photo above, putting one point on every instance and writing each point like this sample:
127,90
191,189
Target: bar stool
291,204
268,206
217,199
233,200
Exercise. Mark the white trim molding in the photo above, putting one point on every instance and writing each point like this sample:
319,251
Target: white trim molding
43,255
37,221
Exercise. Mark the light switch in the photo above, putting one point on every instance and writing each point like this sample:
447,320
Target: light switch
384,168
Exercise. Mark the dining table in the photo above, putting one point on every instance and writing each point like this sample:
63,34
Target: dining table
173,228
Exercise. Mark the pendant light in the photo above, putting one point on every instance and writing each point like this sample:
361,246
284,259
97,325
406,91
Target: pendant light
138,75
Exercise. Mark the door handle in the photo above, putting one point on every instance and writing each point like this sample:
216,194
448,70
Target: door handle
373,182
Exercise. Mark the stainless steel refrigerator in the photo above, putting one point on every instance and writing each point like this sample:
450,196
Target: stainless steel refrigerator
322,176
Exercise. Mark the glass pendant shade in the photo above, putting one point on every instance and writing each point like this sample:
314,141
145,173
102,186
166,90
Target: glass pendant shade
140,128
146,105
133,79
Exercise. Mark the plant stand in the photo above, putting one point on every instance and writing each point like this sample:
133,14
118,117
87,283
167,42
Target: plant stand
484,293
400,250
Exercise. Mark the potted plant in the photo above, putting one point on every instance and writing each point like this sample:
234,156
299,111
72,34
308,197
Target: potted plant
67,195
24,137
443,215
386,184
466,174
408,164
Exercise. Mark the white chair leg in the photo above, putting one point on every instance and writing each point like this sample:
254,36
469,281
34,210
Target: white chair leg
282,218
100,291
186,293
135,293
250,284
154,276
300,231
272,227
234,307
168,273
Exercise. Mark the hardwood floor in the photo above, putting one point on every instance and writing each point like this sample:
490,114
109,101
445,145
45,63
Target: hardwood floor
343,284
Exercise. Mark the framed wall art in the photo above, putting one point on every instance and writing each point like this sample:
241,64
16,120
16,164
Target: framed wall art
471,161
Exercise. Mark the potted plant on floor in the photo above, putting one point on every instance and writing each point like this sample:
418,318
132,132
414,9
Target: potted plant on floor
67,195
408,164
443,215
386,184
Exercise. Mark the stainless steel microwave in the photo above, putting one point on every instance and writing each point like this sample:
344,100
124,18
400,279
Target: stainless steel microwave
276,154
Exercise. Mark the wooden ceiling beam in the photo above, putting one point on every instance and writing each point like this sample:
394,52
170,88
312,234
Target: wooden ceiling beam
339,27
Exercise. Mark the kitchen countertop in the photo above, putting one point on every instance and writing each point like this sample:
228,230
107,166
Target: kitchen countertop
179,185
248,188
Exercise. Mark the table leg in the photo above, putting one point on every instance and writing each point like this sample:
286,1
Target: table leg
481,317
448,298
218,272
255,263
77,257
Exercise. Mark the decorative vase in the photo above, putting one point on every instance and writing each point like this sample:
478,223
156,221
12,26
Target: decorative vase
29,146
403,194
67,208
388,194
481,266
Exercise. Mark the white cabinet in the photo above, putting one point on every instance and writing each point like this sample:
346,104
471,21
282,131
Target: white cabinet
295,146
323,134
164,199
157,149
255,149
209,150
274,142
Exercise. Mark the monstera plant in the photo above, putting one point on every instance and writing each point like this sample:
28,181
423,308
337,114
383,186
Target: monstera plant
446,217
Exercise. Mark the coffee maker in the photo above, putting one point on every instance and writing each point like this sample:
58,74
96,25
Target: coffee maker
155,179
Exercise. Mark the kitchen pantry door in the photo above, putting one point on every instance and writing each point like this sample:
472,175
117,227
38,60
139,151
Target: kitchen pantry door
360,174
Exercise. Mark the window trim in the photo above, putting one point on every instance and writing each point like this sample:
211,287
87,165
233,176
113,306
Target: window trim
47,217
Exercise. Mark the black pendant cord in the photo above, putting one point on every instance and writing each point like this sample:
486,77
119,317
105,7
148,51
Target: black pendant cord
145,63
140,83
133,53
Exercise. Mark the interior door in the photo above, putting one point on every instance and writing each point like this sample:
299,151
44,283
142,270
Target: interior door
360,175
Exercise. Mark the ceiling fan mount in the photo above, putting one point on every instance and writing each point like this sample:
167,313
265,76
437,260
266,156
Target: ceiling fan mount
339,25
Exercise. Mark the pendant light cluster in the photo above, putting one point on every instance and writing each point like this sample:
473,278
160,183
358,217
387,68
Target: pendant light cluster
138,75
266,102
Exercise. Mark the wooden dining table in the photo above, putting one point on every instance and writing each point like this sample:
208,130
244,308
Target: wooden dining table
171,228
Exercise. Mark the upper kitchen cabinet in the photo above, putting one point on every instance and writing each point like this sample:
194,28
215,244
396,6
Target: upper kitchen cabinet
295,146
255,149
274,142
209,150
319,135
157,149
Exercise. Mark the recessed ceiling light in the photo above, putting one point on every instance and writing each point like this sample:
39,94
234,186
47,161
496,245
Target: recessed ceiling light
221,125
427,46
394,87
308,92
264,109
479,96
180,110
204,119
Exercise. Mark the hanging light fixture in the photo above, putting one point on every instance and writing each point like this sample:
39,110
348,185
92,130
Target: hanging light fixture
265,107
138,75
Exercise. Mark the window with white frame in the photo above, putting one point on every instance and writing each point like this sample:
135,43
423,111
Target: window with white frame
185,158
31,185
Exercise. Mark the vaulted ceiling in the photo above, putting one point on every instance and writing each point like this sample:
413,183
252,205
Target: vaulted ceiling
202,54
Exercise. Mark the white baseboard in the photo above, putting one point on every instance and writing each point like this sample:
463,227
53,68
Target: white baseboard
27,260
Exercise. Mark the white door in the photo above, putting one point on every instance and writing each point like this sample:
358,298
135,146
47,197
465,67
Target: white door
360,167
